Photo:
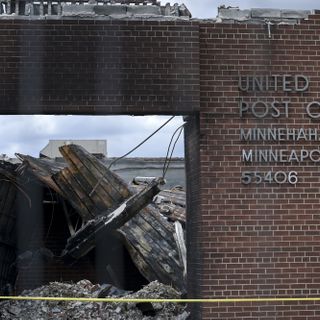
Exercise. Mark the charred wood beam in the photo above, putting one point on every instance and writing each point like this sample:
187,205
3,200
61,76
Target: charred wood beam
107,185
7,174
149,238
68,218
10,176
174,197
171,203
75,193
84,174
85,239
181,244
42,169
173,212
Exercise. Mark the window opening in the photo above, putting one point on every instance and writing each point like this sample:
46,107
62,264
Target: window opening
56,229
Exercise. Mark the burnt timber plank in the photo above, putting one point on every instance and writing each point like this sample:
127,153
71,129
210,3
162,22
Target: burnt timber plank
43,169
100,175
47,171
171,203
70,193
148,235
173,212
85,239
174,197
83,174
76,170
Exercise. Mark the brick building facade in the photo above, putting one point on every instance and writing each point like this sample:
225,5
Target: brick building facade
253,219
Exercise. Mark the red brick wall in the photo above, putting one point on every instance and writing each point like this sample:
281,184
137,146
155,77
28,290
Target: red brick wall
257,240
244,240
98,67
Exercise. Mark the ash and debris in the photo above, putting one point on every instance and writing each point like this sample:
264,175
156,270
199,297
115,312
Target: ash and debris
63,310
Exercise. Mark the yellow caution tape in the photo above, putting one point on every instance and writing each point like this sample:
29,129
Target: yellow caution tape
120,300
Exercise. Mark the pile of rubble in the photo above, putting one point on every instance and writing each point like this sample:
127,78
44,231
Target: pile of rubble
98,9
24,309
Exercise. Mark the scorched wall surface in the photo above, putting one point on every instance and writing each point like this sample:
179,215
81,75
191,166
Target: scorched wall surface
77,66
258,239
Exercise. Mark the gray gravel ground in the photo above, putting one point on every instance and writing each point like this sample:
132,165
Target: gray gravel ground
69,310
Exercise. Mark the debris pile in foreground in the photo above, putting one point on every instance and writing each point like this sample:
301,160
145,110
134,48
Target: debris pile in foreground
37,310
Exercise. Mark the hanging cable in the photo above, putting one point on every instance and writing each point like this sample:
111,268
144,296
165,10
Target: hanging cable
52,216
168,151
168,158
141,143
125,155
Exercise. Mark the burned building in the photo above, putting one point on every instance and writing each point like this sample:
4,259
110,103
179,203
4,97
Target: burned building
252,226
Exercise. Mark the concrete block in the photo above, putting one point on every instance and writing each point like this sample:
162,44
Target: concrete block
184,11
295,14
77,10
265,13
108,10
167,9
144,9
233,14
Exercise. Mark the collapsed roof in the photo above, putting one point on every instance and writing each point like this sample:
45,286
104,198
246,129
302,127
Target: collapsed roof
83,188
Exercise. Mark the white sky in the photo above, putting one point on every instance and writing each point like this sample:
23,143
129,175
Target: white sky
29,134
208,8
